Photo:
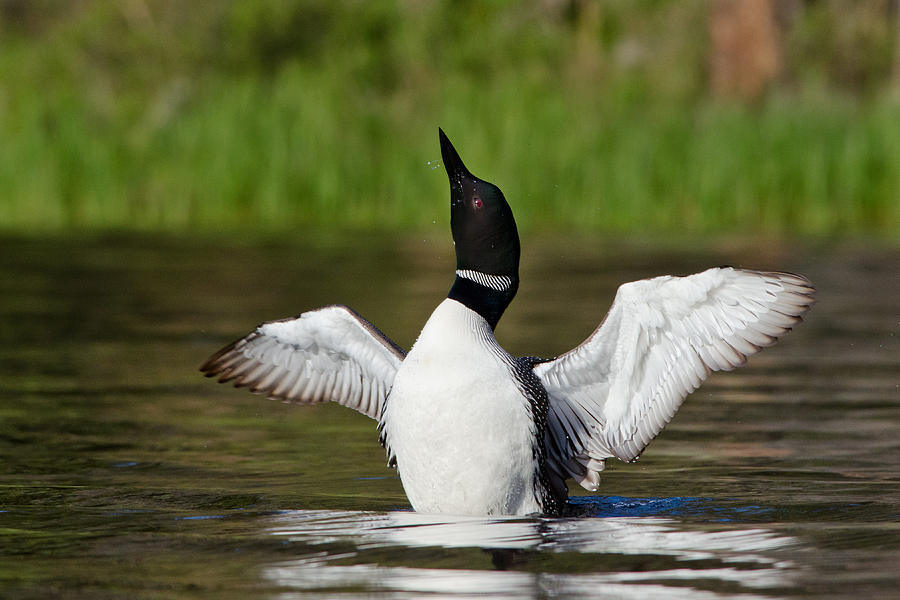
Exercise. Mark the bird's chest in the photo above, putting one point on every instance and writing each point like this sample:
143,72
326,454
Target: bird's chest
459,425
457,394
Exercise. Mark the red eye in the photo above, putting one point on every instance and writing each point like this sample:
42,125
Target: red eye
477,202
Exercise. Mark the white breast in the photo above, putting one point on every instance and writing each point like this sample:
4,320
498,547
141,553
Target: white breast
458,424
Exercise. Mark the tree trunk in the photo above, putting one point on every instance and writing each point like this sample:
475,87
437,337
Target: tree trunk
744,48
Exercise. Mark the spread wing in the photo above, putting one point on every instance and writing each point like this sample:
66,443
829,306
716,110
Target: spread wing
327,354
613,394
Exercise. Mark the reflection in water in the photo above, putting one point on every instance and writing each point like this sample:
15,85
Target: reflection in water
680,562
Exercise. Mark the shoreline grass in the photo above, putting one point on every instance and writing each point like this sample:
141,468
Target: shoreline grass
265,156
351,145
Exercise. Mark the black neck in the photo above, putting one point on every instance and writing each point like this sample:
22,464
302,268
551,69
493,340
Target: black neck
487,302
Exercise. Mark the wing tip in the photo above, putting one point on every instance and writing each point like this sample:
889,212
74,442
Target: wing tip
797,284
211,365
224,358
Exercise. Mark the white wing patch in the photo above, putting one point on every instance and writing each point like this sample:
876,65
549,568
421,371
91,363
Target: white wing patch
327,354
613,394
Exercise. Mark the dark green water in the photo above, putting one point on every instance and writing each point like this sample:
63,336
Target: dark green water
125,474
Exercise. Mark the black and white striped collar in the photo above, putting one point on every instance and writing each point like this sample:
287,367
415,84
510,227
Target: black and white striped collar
500,283
486,294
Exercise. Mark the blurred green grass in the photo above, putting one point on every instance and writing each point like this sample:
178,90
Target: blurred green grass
278,115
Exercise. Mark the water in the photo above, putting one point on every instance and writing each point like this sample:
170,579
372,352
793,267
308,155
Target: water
125,474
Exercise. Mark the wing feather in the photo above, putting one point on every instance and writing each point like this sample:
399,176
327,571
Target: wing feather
660,340
329,354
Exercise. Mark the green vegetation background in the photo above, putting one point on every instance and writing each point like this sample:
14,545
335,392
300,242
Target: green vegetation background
270,115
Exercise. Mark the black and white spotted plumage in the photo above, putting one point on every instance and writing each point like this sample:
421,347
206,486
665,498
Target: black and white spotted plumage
550,489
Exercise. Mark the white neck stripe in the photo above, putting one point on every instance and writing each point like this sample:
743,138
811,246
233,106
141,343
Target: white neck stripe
501,283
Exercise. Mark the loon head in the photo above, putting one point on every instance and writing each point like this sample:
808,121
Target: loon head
486,239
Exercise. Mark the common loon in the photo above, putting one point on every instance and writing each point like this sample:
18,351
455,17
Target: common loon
474,430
